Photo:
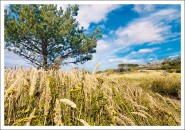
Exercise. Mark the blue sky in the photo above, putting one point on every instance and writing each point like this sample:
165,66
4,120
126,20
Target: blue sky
131,34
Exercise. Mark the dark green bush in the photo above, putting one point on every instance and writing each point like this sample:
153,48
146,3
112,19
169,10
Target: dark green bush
170,70
178,70
167,87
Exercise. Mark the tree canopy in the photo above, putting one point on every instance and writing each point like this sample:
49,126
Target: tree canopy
127,65
43,34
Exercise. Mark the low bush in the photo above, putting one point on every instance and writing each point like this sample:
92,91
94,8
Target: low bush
167,86
178,70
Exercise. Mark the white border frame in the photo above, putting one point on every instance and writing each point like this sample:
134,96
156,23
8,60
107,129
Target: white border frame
92,2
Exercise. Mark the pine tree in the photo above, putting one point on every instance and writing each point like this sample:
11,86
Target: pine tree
43,33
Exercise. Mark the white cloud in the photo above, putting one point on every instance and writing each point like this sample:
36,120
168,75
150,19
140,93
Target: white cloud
111,32
102,26
165,16
101,57
140,32
173,56
104,36
102,45
122,50
140,8
146,50
127,61
93,13
164,12
152,29
12,60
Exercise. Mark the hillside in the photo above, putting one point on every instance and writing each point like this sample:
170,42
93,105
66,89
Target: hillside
167,65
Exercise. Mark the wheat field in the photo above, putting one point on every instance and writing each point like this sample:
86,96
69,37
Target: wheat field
77,98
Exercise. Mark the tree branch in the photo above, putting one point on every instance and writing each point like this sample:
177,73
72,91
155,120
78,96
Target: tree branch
23,36
31,59
54,48
29,48
30,42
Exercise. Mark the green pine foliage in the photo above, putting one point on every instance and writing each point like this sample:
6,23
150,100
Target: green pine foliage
42,34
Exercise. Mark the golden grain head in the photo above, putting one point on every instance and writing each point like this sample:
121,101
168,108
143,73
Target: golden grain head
68,102
96,68
145,113
84,122
170,102
127,120
119,121
57,118
140,106
139,114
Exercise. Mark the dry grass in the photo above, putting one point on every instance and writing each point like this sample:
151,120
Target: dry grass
47,98
161,82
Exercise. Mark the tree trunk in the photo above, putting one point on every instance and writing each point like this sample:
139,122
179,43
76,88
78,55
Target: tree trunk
45,56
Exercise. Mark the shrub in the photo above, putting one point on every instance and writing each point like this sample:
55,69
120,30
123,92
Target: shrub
166,67
166,86
170,70
178,70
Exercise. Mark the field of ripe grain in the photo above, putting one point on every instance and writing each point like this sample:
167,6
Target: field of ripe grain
75,98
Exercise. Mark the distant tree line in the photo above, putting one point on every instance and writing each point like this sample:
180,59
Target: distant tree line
170,65
167,64
126,67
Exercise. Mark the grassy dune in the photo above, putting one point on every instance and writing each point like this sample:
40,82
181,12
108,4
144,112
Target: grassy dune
73,98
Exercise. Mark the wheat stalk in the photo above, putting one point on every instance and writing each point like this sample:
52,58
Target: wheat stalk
84,122
48,99
151,99
68,102
145,113
170,102
96,68
140,106
119,121
128,120
30,118
161,97
57,118
33,78
139,114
